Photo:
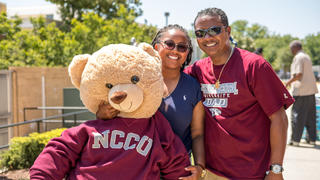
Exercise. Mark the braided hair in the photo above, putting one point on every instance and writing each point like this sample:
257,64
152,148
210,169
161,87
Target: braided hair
159,34
213,12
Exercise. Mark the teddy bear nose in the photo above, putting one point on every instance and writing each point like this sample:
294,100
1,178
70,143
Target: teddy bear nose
118,97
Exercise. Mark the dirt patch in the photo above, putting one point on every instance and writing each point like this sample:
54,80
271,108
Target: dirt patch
22,174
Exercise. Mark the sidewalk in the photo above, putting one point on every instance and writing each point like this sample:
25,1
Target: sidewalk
302,163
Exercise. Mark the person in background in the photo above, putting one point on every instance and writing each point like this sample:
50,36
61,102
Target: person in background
245,102
304,88
259,51
182,104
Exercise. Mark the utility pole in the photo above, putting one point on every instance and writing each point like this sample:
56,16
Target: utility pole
166,14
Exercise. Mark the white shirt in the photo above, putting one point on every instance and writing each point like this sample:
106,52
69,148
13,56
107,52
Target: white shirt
307,85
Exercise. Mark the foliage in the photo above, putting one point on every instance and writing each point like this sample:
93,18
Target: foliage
283,60
47,45
273,47
95,32
23,151
8,27
246,35
312,47
74,9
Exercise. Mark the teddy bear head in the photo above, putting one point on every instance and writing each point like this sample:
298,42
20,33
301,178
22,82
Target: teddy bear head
128,77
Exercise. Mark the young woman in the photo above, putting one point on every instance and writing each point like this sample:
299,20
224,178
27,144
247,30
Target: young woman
182,104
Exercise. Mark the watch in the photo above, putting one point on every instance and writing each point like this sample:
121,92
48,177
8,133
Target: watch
276,169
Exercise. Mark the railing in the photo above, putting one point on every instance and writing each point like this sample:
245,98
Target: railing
39,120
53,108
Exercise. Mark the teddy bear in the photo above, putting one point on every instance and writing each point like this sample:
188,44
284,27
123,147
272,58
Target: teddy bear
137,144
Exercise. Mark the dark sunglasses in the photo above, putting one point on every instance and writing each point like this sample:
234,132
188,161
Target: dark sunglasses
212,31
170,44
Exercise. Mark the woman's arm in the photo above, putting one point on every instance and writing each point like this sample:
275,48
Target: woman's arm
197,134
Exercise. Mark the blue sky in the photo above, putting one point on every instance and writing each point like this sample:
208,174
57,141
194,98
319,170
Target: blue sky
295,17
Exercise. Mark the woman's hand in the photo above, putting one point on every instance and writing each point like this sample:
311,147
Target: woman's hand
195,173
106,111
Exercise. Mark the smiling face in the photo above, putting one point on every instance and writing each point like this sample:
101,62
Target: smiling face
215,46
172,59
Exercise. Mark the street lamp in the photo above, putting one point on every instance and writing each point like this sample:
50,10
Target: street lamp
166,14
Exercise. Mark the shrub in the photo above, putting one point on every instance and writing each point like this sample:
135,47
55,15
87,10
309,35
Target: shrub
23,151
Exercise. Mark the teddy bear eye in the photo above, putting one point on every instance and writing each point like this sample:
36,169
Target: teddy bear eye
135,79
108,85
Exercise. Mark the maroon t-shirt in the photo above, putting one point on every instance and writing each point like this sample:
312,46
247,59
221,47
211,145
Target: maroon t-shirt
237,127
120,148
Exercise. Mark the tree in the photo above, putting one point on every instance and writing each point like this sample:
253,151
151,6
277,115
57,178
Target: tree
8,27
245,35
104,8
96,32
312,47
257,31
283,59
47,45
273,48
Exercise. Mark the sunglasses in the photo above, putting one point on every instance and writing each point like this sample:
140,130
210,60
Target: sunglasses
212,31
171,45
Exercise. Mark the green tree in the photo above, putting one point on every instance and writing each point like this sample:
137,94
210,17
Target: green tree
95,32
283,59
257,31
312,47
238,32
18,47
246,35
47,45
104,8
8,27
276,50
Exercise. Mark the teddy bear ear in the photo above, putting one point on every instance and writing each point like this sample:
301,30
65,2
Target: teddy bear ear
149,49
76,68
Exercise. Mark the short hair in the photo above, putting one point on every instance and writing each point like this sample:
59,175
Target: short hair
295,43
178,27
213,12
259,50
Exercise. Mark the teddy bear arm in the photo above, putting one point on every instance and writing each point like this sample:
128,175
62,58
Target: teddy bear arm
176,156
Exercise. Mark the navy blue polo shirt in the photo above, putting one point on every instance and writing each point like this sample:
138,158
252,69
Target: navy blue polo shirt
178,107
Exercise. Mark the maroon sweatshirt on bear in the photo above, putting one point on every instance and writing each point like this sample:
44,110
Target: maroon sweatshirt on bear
121,148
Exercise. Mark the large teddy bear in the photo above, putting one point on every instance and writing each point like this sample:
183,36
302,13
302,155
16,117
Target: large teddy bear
139,144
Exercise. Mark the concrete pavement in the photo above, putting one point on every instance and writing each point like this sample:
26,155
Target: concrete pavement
302,163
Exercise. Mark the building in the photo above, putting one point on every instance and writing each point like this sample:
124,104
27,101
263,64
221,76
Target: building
3,7
49,12
22,88
26,20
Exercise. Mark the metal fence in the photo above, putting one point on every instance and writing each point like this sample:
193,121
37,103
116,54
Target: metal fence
42,120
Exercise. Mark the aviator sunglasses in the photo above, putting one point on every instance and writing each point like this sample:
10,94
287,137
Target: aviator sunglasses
170,44
212,31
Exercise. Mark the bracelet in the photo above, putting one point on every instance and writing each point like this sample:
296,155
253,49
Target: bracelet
202,167
203,172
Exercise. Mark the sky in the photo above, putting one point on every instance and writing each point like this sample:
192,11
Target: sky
295,17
